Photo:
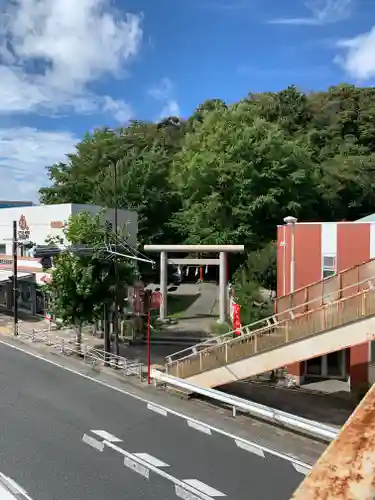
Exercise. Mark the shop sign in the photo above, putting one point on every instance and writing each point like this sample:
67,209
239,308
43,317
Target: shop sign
23,229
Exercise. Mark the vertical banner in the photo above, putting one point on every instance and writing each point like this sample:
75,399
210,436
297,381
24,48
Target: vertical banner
237,319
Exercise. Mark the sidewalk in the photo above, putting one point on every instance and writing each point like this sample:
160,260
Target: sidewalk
322,408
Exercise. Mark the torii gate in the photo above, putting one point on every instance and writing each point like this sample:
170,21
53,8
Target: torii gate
221,262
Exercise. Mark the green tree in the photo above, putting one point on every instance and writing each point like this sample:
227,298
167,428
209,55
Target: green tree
82,281
143,154
238,177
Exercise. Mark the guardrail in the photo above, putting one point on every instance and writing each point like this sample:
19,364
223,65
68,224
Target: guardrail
89,354
298,424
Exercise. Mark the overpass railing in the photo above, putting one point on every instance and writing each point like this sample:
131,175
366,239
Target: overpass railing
358,301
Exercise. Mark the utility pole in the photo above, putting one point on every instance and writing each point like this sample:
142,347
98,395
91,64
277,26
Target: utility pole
107,340
15,280
115,316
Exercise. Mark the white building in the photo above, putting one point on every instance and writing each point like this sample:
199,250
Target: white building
37,224
48,220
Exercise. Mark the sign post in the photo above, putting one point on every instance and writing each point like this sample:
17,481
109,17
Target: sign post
154,302
48,317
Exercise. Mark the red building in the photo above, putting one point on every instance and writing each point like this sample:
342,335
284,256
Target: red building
308,252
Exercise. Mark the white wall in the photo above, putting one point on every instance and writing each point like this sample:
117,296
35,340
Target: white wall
39,219
127,220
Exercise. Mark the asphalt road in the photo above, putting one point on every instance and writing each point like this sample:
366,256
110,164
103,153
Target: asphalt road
64,437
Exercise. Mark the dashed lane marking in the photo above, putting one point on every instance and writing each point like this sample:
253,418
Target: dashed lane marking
293,460
250,447
199,427
151,459
301,469
107,436
157,409
204,488
94,443
131,459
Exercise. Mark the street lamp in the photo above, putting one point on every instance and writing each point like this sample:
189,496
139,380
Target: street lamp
291,221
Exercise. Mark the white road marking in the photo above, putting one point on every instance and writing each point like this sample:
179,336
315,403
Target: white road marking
204,488
94,443
107,436
137,467
199,427
157,409
185,495
151,460
302,470
250,447
15,488
199,495
293,460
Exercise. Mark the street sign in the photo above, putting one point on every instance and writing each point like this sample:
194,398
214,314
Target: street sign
48,316
156,300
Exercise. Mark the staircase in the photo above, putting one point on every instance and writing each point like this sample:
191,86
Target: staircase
324,317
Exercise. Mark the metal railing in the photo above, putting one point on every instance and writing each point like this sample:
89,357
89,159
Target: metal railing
226,349
89,354
313,295
346,469
299,424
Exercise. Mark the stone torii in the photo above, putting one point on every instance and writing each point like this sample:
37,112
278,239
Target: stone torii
222,250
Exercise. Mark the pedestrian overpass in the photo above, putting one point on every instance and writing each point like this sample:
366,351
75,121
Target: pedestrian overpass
333,314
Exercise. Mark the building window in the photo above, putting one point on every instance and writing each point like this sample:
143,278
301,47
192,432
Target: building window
3,249
329,266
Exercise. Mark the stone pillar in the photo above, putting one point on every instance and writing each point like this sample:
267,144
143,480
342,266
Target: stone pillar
223,287
164,285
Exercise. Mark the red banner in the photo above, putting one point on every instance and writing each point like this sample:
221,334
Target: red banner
236,319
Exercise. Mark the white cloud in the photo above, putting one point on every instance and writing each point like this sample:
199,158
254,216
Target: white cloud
163,92
170,109
120,110
51,50
24,154
322,12
359,58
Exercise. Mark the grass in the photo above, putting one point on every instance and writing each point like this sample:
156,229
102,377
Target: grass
221,328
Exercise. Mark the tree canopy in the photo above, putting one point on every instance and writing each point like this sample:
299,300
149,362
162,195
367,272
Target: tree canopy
83,282
229,173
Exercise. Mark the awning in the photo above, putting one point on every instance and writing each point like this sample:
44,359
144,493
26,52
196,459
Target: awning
6,275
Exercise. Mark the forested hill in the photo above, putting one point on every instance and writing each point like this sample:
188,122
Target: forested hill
230,173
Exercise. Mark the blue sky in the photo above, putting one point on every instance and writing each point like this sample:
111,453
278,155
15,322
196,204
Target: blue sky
68,66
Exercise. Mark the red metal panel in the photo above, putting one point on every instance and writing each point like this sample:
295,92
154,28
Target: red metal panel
358,369
353,244
308,254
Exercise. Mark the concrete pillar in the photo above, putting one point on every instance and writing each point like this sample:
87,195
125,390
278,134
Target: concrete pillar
163,285
223,287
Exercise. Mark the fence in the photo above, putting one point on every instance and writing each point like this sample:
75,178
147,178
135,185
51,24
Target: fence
344,284
89,354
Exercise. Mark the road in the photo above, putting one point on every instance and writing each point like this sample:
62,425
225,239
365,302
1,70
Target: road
66,437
